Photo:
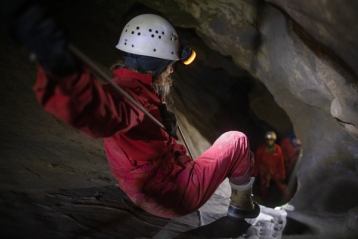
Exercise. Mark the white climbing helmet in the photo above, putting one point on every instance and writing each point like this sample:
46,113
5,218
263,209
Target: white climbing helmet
150,35
270,135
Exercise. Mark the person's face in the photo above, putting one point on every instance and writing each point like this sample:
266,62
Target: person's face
270,142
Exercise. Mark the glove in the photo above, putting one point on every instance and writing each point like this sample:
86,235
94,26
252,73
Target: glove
39,33
169,120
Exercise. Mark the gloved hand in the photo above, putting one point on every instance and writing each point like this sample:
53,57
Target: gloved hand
169,120
39,33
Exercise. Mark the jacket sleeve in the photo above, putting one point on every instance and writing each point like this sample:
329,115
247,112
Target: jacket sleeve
85,103
256,172
281,172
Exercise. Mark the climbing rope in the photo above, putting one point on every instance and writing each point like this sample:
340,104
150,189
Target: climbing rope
98,71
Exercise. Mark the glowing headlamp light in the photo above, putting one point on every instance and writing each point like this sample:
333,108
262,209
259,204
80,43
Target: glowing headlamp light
271,136
188,55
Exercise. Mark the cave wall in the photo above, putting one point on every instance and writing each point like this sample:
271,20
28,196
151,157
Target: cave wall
304,52
214,95
38,152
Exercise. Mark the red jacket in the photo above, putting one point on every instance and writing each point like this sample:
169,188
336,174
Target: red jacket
137,149
270,163
291,153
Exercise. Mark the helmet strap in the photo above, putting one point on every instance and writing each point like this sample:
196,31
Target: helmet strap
146,64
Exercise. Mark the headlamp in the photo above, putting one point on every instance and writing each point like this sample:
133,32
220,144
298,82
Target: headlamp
271,136
187,55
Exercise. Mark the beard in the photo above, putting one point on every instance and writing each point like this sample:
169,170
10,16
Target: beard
162,86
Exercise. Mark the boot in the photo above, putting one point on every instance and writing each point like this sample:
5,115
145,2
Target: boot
242,204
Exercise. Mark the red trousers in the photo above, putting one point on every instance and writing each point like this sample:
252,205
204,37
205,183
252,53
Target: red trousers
229,156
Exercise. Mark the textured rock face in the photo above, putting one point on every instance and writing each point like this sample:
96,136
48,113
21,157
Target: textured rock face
333,37
303,83
304,52
328,22
323,59
213,96
226,26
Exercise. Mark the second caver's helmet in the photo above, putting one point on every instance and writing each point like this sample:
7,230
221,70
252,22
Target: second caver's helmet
271,135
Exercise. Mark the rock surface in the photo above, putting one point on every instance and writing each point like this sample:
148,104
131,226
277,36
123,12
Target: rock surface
304,53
